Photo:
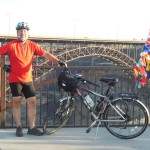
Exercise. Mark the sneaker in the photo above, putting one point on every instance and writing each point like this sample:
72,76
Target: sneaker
19,132
35,131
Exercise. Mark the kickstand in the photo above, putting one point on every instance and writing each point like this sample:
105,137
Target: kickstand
97,130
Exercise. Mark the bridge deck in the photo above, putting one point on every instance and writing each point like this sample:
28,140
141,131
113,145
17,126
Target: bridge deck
72,139
70,39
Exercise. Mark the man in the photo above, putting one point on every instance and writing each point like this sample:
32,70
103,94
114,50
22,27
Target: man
21,53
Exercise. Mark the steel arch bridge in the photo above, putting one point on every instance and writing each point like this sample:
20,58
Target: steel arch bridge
113,55
117,57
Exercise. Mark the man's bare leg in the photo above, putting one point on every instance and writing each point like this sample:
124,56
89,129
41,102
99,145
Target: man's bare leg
16,110
31,111
17,114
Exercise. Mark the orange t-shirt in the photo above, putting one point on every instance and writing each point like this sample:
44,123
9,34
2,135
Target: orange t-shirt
21,57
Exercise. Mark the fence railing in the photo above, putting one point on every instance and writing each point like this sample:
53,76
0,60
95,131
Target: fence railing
47,93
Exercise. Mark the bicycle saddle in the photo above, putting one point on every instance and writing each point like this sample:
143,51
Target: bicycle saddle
109,81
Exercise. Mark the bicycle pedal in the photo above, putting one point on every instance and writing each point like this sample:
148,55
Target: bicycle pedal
97,122
88,130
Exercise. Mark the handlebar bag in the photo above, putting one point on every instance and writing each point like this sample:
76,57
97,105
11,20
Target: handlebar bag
67,81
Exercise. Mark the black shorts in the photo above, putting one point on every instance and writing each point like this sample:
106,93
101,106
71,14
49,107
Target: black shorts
20,89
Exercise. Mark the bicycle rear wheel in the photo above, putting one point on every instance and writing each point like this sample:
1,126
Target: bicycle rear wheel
58,117
134,121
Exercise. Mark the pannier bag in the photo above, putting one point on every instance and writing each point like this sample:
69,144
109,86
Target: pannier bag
67,81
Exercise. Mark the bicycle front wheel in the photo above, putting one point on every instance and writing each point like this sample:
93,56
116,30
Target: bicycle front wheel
126,118
58,117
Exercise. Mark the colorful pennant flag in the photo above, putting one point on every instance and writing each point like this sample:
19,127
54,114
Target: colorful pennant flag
142,67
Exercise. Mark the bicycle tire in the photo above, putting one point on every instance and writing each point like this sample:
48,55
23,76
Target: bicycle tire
53,122
136,115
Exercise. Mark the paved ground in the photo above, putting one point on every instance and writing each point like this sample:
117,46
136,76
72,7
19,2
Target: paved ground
72,139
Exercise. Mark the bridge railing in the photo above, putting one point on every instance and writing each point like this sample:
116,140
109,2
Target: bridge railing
47,93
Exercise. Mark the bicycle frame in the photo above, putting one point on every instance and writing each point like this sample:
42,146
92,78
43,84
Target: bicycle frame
105,99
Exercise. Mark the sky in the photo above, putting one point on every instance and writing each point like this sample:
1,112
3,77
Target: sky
102,19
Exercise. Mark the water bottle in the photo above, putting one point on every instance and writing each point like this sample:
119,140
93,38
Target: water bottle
89,100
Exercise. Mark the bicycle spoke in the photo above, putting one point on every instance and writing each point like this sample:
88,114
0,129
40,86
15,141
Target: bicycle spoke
132,124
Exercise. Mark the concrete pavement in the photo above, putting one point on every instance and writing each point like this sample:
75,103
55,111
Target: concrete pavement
72,139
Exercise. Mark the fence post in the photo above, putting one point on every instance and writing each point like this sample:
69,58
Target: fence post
3,85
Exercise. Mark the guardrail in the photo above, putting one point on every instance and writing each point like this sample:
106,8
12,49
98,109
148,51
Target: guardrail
47,93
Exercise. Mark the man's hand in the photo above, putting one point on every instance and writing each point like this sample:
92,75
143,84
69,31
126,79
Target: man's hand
62,63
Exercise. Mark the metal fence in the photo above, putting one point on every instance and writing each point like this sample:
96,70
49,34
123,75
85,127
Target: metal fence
47,93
